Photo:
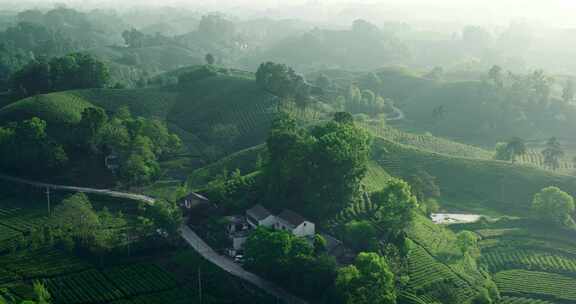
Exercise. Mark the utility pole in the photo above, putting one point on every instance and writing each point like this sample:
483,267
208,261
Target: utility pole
199,284
48,199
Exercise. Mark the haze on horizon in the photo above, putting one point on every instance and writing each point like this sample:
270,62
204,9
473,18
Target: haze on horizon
552,13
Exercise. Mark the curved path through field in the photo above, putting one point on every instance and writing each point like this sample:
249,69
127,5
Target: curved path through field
188,234
397,114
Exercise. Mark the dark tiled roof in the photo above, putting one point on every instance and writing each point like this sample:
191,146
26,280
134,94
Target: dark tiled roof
194,195
291,217
258,212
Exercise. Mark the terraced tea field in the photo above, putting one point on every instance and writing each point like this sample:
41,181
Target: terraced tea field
498,260
516,300
426,273
539,284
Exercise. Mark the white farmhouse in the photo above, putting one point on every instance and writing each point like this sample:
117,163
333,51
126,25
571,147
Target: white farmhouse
295,223
239,226
260,216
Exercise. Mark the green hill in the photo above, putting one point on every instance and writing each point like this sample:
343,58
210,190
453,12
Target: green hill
238,104
61,108
230,101
472,184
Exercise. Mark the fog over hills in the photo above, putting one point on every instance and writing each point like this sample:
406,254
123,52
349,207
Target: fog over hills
491,12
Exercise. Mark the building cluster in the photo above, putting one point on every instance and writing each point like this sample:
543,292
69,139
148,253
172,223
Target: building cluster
241,225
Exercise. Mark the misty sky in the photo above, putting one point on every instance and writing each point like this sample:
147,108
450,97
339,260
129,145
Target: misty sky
552,12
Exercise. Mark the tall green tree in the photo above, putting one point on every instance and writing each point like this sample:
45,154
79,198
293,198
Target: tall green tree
396,206
553,153
91,123
319,170
554,205
283,81
516,147
368,281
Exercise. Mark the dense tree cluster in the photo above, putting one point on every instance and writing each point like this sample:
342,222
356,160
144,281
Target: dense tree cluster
25,146
553,153
317,171
291,260
74,71
396,206
233,191
138,142
282,81
137,39
555,206
369,280
365,101
510,150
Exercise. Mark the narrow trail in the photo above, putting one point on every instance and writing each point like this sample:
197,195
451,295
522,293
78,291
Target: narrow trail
107,192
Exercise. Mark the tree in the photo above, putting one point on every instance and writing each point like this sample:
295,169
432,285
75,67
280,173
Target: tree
339,158
91,123
467,242
76,212
166,216
34,78
555,206
553,153
265,250
423,185
515,147
429,206
320,170
26,145
73,71
281,80
368,281
320,244
210,59
396,205
568,91
502,152
360,235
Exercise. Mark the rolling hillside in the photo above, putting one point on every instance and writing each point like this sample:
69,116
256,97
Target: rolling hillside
472,184
468,179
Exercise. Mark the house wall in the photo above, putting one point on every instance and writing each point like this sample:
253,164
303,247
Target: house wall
305,229
238,242
268,222
283,225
